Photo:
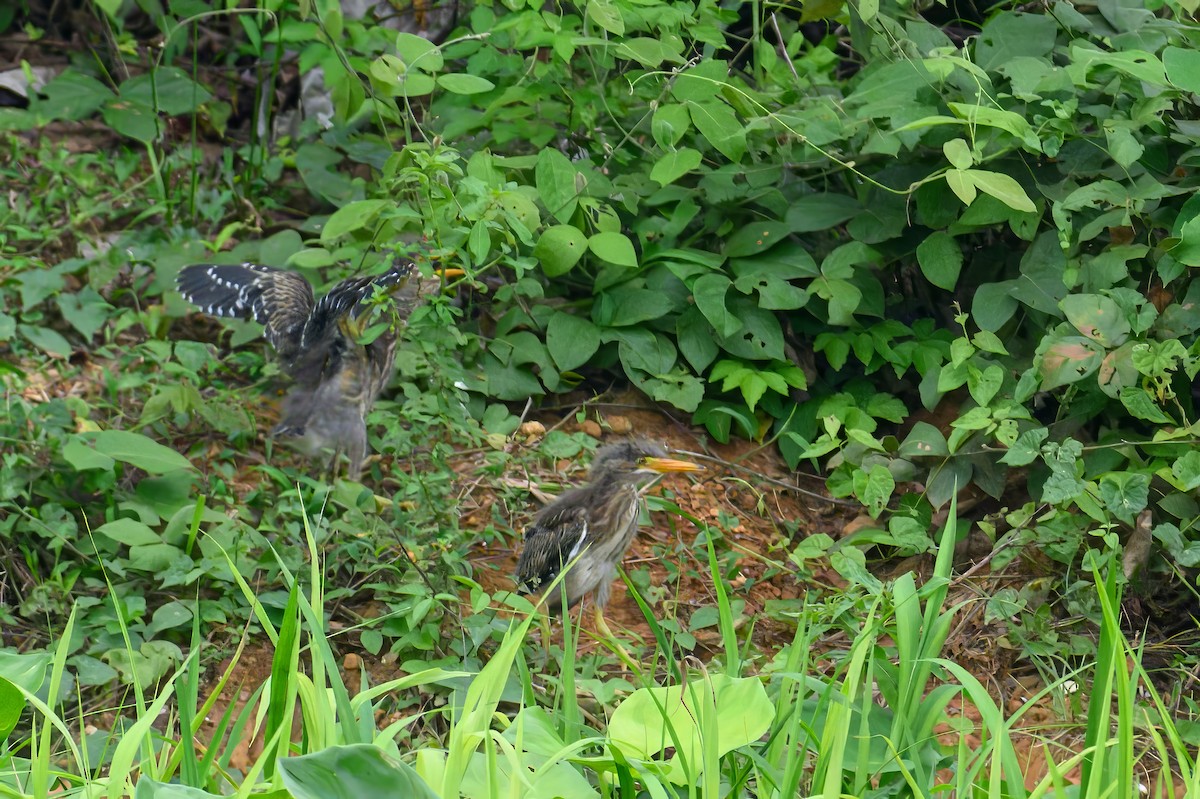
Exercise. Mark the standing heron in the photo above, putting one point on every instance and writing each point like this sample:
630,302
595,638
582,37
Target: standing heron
336,377
595,522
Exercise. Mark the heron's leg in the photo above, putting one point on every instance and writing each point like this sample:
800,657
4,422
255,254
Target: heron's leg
601,625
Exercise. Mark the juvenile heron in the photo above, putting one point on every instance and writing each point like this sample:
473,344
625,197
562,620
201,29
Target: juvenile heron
336,378
597,522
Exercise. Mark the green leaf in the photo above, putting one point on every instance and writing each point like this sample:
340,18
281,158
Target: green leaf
709,293
138,450
961,184
755,237
418,52
695,337
555,177
616,248
821,211
702,82
12,704
46,339
606,14
941,259
651,719
874,488
73,96
86,310
355,216
1068,360
1097,317
559,249
1003,187
129,532
1183,68
572,340
669,124
675,165
958,153
165,89
81,457
351,772
135,120
148,788
1125,494
458,83
1140,404
717,122
984,385
647,51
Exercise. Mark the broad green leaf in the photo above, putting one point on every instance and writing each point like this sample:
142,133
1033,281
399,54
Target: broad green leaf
1027,449
47,339
958,153
616,248
418,52
669,124
709,292
695,337
81,457
138,450
717,122
821,211
1068,360
352,217
1183,68
133,119
73,96
961,184
351,772
148,788
1003,187
555,178
702,82
165,89
572,340
12,704
606,14
941,259
1097,317
1009,35
129,532
1142,405
641,726
755,237
648,52
674,165
1125,494
984,385
874,488
458,83
559,249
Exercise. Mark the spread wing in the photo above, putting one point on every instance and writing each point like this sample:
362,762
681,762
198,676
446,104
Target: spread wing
280,301
558,533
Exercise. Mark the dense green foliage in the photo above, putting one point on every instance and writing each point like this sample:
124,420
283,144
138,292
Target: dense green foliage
917,256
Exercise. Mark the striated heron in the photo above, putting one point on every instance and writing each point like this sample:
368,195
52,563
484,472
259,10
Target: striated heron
336,378
596,522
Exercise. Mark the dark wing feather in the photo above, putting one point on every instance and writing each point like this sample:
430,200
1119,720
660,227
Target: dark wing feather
344,299
279,301
551,540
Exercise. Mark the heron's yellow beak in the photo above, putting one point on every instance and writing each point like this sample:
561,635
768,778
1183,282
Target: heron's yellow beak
449,274
665,465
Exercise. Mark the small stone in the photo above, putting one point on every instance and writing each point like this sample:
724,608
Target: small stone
591,428
619,424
